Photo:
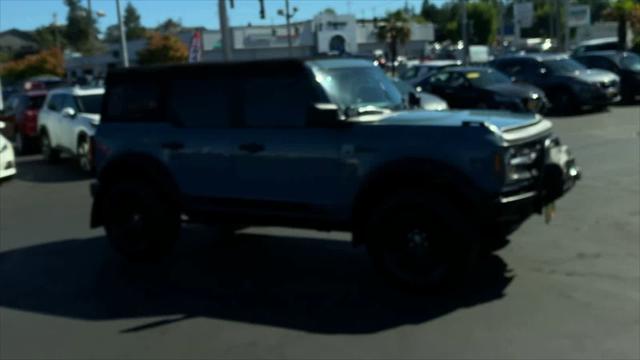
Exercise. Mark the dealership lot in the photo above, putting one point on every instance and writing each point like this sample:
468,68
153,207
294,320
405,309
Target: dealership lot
570,289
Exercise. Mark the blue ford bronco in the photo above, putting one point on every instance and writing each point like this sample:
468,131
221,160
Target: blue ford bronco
327,144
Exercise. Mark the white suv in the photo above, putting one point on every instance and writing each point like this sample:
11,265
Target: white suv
67,122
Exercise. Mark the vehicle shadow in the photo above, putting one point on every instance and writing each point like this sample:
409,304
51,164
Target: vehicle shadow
315,285
34,168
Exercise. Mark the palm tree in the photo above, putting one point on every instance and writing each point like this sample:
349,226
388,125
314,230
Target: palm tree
394,30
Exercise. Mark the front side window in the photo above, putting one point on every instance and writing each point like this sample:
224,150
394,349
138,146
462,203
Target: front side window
199,103
486,78
55,102
631,62
564,66
69,102
276,101
90,104
354,87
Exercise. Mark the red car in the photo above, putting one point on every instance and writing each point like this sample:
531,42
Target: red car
20,115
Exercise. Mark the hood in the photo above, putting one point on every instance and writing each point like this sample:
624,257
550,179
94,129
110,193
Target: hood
517,90
502,120
92,118
593,75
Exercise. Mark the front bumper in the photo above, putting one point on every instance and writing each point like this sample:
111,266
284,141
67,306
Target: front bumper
600,96
559,174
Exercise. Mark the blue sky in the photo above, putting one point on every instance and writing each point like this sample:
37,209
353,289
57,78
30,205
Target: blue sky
29,14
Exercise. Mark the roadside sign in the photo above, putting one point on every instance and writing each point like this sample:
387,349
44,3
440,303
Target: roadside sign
195,47
579,15
523,13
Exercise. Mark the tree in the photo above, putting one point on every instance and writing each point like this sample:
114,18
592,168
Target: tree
163,49
50,36
394,30
132,24
48,62
624,12
81,31
169,26
483,22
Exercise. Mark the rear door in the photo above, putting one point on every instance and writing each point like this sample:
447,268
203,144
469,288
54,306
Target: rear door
50,115
202,110
66,123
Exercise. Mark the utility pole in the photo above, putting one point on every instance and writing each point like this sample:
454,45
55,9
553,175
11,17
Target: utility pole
465,31
567,28
89,8
123,37
224,30
288,15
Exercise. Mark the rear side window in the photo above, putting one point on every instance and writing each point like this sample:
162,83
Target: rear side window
133,102
200,103
69,102
278,101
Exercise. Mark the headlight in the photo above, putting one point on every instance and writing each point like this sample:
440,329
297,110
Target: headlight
518,163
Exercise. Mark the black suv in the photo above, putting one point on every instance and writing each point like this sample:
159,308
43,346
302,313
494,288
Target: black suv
569,85
625,64
322,144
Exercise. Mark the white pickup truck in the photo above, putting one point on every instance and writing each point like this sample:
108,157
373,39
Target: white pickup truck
68,120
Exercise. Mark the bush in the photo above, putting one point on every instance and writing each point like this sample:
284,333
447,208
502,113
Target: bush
163,49
50,62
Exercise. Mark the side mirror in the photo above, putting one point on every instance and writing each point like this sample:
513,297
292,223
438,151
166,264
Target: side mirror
415,101
2,125
324,115
68,112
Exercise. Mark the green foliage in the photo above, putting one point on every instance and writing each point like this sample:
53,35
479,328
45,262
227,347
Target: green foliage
163,49
50,36
134,28
483,22
330,11
81,32
169,26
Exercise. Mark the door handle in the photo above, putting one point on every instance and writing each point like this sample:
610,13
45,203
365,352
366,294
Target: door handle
172,145
251,148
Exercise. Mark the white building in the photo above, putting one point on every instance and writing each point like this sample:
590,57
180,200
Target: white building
325,33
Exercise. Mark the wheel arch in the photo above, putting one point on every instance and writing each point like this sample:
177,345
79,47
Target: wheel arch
411,173
133,166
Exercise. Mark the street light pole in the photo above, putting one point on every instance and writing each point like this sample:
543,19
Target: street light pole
123,37
465,31
286,4
224,30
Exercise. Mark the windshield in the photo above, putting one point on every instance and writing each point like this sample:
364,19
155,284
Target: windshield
564,66
90,104
631,62
355,87
486,78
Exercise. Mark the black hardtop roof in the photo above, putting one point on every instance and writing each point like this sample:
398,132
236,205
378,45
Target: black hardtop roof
262,66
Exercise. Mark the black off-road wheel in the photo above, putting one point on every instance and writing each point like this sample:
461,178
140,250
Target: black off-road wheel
141,222
421,243
48,152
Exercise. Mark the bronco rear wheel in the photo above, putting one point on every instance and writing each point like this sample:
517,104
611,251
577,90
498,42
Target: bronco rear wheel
141,223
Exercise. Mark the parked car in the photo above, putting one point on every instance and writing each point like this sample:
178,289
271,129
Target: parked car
418,72
67,122
624,64
421,100
606,43
20,116
323,144
569,85
475,87
7,157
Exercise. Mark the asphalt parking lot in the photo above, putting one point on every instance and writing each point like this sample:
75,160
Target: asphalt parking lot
570,289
